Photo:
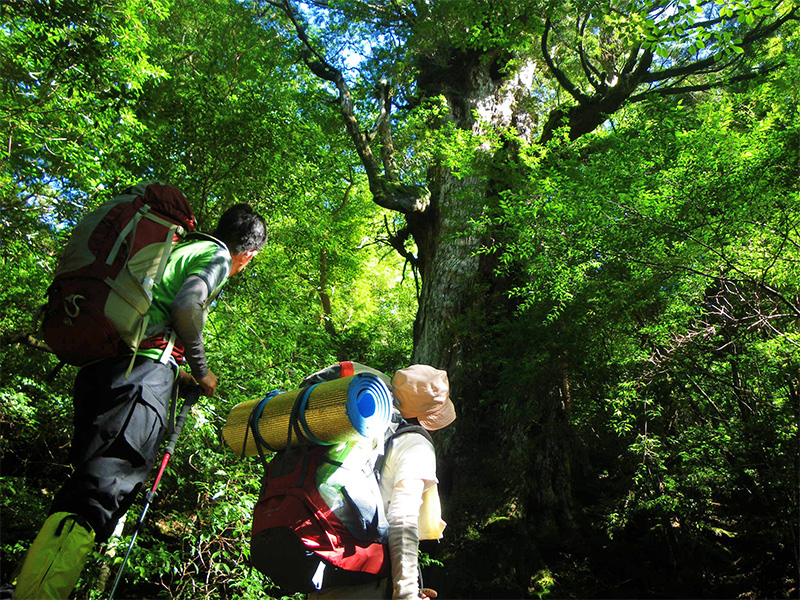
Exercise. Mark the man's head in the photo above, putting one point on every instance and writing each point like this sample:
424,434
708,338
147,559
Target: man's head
244,232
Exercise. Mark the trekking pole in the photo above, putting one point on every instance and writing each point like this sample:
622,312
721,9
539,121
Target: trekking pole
189,400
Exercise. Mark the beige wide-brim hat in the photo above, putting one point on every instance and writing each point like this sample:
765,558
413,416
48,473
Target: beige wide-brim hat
423,393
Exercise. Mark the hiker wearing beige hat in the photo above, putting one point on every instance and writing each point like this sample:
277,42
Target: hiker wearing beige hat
408,478
408,484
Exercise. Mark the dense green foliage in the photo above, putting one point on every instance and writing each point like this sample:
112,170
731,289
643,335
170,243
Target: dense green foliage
626,362
219,112
661,262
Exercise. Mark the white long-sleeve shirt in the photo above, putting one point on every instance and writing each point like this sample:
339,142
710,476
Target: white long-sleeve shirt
408,471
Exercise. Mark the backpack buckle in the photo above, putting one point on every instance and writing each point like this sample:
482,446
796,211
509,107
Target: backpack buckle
71,305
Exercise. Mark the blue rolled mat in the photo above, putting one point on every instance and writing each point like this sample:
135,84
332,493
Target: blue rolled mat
369,405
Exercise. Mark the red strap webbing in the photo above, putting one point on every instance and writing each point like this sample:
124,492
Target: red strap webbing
347,369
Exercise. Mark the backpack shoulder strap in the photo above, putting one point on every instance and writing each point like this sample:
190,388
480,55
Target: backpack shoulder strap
406,427
403,428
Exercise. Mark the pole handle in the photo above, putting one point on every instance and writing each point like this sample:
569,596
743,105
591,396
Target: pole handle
190,398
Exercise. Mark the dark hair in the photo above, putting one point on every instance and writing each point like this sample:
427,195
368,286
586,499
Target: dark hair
241,229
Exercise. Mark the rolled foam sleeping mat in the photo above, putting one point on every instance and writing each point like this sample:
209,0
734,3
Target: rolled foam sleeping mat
334,411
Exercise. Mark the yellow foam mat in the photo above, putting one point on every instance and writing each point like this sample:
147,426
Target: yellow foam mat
325,414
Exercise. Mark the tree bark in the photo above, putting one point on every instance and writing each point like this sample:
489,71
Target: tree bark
502,454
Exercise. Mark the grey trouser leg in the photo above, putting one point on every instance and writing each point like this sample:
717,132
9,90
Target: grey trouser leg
119,426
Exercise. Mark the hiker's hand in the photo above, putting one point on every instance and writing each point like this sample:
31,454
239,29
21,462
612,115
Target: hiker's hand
185,379
208,384
428,594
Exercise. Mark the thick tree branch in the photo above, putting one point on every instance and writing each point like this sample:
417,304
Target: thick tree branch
593,75
560,76
26,339
590,114
633,59
592,110
384,129
386,190
688,89
711,63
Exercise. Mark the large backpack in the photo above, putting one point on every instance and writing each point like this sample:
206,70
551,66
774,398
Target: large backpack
98,301
319,521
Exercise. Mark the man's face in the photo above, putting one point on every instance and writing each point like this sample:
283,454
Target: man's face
240,261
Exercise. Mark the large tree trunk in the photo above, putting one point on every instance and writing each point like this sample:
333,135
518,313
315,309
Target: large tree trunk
449,267
504,457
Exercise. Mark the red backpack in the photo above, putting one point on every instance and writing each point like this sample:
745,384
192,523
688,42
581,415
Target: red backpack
298,540
98,301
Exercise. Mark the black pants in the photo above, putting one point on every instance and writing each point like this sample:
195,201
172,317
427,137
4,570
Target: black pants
119,426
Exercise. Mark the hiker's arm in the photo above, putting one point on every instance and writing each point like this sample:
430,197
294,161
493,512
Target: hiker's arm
403,520
188,319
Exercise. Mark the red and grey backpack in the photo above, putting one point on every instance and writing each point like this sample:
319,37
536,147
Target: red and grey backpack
98,302
319,521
